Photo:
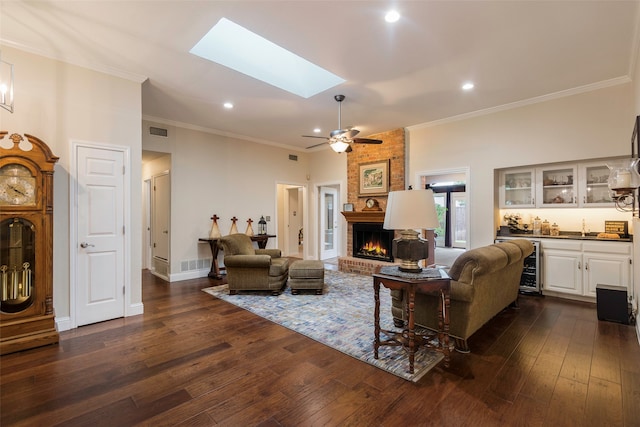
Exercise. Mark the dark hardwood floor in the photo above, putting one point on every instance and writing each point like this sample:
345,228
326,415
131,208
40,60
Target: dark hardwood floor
193,360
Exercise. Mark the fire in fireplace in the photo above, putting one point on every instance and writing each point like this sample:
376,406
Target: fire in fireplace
371,241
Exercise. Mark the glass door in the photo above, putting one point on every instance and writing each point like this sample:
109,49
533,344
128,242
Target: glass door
517,188
328,222
441,208
459,220
558,187
594,187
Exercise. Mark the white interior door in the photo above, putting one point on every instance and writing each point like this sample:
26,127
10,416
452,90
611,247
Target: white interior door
328,222
161,216
146,224
100,233
459,220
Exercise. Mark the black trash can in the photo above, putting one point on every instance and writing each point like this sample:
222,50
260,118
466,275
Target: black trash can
612,303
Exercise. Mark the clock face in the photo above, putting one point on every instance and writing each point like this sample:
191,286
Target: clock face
371,203
17,186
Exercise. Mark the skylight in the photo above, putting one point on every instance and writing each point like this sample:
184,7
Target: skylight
235,47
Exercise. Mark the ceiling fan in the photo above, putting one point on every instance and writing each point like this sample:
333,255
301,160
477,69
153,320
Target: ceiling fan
340,139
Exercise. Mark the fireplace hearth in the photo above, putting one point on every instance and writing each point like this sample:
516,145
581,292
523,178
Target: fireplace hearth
371,241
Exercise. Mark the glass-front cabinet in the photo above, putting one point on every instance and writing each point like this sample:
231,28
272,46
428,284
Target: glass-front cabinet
594,189
517,188
557,187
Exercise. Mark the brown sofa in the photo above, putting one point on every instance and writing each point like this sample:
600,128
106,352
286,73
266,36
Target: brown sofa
484,281
250,269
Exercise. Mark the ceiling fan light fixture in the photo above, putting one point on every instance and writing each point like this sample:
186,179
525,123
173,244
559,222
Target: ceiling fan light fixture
339,146
392,16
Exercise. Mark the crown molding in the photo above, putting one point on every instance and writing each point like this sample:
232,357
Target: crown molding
536,100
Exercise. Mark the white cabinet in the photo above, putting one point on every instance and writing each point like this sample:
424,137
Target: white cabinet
593,187
563,185
562,266
557,186
576,267
517,188
607,263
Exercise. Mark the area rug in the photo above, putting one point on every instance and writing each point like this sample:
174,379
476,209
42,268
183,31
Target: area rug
342,318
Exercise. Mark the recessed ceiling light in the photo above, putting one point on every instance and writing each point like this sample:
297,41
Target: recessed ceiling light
228,105
468,86
317,130
392,16
235,47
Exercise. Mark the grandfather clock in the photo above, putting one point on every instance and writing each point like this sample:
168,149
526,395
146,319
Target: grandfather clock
26,243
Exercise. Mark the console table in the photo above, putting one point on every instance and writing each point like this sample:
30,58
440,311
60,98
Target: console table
214,273
428,281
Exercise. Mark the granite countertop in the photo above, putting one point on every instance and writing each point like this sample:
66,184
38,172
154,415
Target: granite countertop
573,235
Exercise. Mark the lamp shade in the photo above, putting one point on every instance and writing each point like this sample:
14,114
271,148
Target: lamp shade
339,146
410,209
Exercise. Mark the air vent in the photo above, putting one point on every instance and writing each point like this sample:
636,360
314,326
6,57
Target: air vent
293,157
158,131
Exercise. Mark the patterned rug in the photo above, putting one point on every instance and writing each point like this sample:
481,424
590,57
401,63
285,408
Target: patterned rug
342,318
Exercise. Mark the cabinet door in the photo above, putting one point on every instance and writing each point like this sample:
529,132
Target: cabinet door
606,269
557,187
593,189
562,271
517,188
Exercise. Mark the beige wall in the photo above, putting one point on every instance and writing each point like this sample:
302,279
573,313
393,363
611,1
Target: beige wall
213,174
61,103
583,126
326,168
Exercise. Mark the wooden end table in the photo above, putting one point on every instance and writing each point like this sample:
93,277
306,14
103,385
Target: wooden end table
430,280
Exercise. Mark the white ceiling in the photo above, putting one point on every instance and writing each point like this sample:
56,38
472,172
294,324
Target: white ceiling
397,75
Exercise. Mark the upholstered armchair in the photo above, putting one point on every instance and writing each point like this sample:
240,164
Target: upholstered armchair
250,269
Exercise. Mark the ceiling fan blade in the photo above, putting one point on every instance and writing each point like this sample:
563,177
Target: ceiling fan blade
349,149
317,145
314,136
367,141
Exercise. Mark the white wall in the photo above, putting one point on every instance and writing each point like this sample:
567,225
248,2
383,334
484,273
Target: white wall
583,126
60,103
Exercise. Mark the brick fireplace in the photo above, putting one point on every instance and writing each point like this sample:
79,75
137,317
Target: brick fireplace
393,148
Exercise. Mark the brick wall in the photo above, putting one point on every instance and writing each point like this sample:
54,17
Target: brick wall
392,148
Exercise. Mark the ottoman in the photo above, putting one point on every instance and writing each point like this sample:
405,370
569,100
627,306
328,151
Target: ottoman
306,274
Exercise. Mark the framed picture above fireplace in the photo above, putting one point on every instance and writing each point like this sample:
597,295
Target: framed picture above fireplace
374,178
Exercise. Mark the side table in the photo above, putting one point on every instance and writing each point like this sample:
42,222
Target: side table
429,280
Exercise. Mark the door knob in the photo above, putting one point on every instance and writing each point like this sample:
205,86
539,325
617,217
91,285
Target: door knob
86,245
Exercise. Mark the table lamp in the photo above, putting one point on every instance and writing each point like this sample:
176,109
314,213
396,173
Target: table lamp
406,211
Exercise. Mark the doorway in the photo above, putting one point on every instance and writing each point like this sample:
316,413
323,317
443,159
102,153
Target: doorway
291,219
328,212
161,223
450,196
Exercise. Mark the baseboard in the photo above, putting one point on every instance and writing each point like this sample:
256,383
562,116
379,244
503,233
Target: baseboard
63,323
187,275
135,309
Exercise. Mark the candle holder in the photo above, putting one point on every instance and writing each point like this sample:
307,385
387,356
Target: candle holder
623,182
